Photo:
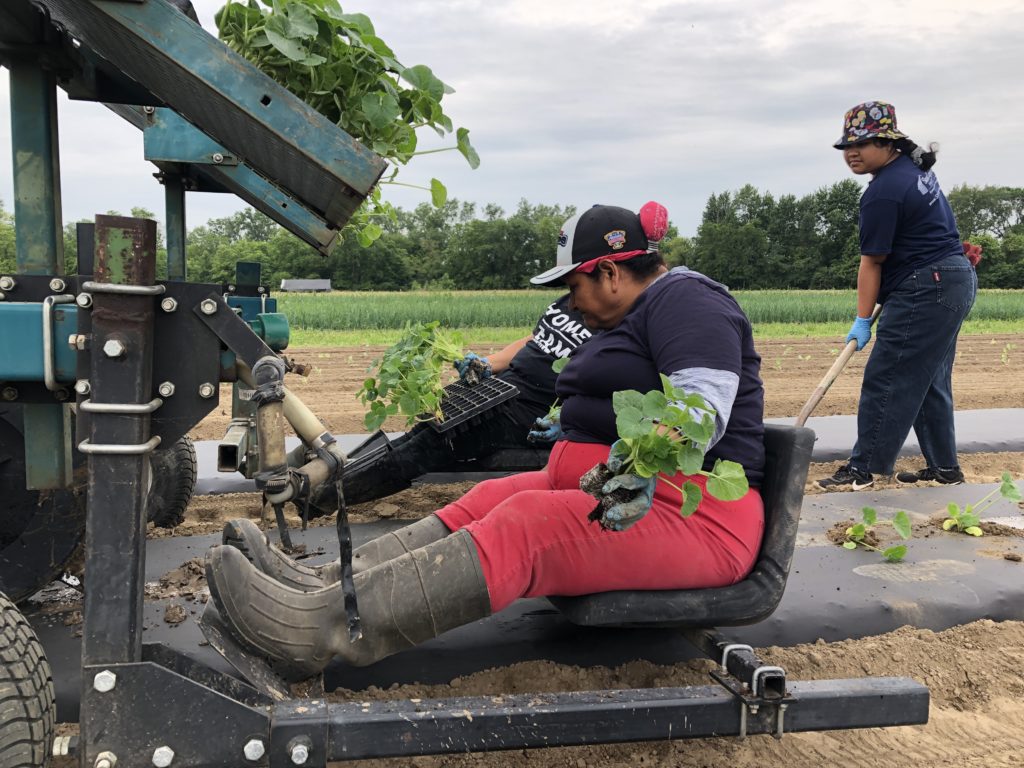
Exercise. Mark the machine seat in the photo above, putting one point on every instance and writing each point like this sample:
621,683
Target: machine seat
787,457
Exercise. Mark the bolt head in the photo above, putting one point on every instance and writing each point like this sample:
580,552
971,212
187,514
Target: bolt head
6,283
84,300
254,749
300,754
218,157
83,387
104,681
10,393
105,760
149,110
57,285
207,390
208,306
113,348
163,757
169,304
166,389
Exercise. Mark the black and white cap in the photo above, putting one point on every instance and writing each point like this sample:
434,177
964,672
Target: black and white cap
603,232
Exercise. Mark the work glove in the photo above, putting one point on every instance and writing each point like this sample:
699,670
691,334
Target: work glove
860,332
545,430
472,368
625,514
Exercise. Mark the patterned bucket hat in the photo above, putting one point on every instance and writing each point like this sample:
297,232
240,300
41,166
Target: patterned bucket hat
870,120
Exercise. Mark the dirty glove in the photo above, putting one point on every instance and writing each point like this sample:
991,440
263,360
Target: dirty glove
860,331
545,430
472,368
625,514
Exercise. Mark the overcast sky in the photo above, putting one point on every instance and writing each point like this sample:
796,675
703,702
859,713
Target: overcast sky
610,101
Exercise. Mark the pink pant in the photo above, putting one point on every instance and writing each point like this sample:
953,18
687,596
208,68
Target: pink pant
534,539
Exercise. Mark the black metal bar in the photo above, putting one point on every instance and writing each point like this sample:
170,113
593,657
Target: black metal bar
740,661
121,364
233,330
363,730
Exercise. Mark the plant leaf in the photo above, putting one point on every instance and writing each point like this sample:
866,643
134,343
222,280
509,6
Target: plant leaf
689,459
438,193
559,364
692,497
728,481
974,530
462,142
948,523
849,545
953,509
380,109
901,522
895,554
870,515
1008,489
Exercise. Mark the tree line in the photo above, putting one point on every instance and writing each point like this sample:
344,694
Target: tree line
747,239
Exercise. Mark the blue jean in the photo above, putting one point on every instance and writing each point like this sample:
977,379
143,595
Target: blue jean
908,377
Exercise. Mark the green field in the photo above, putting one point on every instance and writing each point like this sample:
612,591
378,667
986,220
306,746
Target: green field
377,318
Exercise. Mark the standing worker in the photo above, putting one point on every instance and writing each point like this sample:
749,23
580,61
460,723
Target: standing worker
912,263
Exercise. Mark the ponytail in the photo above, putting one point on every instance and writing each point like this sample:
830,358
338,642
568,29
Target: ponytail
922,158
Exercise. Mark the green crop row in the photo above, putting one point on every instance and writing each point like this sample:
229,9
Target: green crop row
343,311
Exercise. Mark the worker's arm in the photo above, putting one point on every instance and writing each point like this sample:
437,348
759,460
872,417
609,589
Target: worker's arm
869,280
499,360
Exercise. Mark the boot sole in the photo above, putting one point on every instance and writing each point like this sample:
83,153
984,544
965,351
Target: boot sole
248,539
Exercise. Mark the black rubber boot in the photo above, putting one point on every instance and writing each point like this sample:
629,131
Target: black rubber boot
245,536
402,602
397,543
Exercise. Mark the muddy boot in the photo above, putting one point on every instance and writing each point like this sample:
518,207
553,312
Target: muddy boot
397,543
245,536
402,602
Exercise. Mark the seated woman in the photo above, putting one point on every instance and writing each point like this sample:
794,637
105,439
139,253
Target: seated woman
529,535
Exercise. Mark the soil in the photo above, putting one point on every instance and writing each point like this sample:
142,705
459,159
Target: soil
975,672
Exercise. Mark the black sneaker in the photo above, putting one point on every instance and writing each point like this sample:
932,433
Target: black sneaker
847,475
943,476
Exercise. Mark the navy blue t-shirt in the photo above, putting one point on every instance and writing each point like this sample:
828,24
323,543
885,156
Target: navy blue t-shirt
690,328
905,216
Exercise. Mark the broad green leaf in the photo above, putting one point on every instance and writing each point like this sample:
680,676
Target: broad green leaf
421,78
559,364
438,193
364,239
462,141
629,423
653,404
380,109
895,554
277,33
690,459
857,531
1008,489
953,509
849,545
870,515
901,522
301,22
969,519
358,20
948,523
627,398
372,231
692,497
974,531
727,481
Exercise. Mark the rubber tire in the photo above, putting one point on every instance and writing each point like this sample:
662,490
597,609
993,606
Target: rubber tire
174,480
28,709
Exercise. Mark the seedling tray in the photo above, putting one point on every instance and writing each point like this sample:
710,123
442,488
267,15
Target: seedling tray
462,402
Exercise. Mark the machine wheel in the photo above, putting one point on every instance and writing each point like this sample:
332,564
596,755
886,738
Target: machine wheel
28,710
39,530
174,480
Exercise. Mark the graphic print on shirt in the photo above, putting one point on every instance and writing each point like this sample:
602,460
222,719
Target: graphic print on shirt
928,186
558,333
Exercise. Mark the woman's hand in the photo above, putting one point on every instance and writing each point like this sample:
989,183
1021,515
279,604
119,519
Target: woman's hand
545,430
860,331
626,514
473,367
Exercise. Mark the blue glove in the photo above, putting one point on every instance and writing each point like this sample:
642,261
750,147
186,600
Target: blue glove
616,456
625,514
545,430
466,367
860,331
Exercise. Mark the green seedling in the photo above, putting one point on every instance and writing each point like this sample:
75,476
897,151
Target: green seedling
857,535
1005,356
555,411
408,379
643,422
968,519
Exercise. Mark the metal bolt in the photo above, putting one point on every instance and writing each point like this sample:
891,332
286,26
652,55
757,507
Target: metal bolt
2,295
261,289
254,749
104,681
149,110
84,300
169,304
207,390
83,387
231,288
163,756
166,389
78,341
61,395
208,306
57,285
218,157
7,283
114,348
10,393
299,754
105,760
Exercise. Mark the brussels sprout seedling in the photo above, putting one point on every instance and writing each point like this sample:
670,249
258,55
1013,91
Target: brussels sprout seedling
857,535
